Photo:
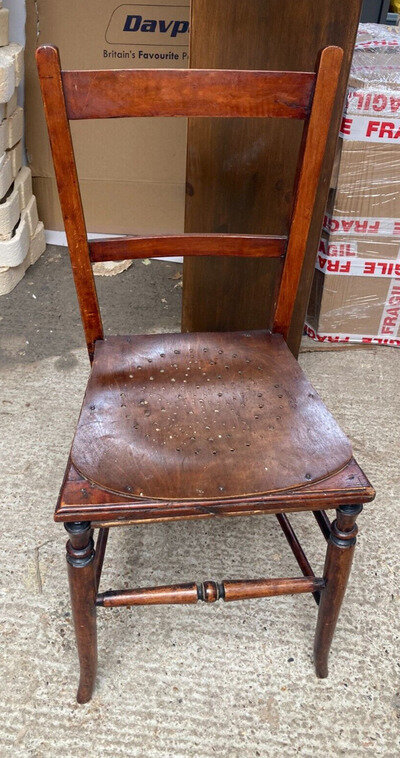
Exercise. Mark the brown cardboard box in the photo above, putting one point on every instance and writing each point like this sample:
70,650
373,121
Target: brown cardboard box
356,290
357,249
368,182
367,165
354,309
355,295
132,171
376,59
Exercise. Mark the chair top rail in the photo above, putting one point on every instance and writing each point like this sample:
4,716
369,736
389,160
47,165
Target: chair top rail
245,245
192,92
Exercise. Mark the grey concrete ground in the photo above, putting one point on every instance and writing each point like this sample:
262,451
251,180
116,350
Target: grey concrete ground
232,680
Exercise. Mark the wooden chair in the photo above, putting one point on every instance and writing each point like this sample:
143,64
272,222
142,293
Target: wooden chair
183,426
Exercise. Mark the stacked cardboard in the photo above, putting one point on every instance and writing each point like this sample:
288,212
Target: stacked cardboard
21,234
356,290
136,183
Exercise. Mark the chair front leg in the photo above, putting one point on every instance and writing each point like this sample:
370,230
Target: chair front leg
82,584
339,557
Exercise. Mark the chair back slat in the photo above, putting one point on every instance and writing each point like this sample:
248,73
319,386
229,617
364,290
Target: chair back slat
176,92
129,248
70,95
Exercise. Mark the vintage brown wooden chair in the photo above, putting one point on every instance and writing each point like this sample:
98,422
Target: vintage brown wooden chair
182,426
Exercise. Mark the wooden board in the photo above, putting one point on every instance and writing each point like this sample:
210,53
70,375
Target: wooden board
80,500
240,174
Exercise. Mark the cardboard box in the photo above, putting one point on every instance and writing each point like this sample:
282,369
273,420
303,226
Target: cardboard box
355,296
354,309
356,290
357,251
366,174
132,171
367,158
363,203
376,59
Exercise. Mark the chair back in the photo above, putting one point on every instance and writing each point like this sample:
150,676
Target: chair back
76,95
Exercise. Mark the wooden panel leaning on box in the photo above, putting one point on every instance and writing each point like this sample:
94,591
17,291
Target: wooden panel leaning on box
240,174
162,434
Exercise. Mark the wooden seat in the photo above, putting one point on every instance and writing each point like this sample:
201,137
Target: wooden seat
81,500
203,416
184,426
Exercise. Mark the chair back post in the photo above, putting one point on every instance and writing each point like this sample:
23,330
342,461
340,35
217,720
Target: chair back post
311,156
48,62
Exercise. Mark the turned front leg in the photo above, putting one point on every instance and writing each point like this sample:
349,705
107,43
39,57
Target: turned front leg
82,585
339,557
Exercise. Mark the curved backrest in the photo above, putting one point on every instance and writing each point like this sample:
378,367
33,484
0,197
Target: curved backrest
73,95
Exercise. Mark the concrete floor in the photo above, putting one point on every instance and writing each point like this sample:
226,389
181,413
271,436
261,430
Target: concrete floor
233,681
